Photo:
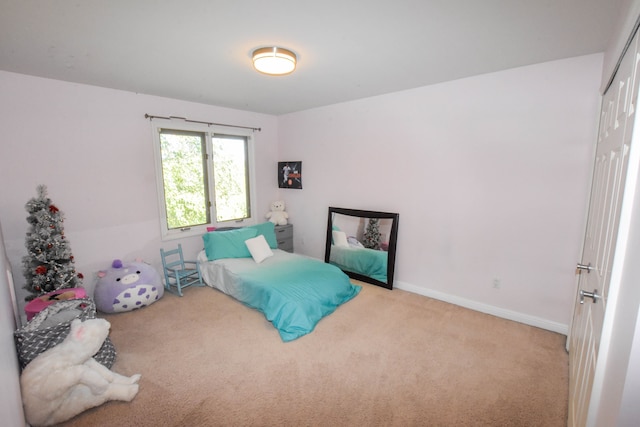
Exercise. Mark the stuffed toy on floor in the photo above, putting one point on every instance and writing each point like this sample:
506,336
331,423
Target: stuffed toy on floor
127,286
66,380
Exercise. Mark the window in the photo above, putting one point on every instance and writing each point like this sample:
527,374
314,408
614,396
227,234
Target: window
231,177
204,177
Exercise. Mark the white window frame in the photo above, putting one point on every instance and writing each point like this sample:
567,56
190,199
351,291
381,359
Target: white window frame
209,130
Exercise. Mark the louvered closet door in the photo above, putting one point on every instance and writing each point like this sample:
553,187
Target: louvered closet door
601,235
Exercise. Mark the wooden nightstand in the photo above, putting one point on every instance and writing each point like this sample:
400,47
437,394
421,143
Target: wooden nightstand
284,236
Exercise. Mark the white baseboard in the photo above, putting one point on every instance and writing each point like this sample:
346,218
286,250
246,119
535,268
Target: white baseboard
485,308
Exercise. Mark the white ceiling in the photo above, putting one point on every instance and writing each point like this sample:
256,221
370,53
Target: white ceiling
199,50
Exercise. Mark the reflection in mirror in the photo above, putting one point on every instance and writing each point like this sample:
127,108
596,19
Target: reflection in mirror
363,244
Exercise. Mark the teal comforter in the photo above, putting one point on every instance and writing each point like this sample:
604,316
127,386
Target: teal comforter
294,292
368,262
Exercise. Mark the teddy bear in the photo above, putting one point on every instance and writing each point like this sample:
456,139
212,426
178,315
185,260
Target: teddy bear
66,380
127,286
277,215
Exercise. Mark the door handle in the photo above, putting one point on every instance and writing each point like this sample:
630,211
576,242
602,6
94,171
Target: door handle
584,267
593,295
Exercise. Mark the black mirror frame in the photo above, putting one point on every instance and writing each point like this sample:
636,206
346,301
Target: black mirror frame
393,237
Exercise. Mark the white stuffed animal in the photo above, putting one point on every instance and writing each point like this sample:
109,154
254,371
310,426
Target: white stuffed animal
66,380
277,215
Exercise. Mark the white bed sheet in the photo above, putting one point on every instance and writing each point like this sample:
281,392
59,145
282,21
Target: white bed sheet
222,274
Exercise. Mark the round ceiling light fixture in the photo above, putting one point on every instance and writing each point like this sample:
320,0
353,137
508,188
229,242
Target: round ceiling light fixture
275,61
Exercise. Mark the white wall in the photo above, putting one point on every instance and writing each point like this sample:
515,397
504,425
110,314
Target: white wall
92,147
10,399
489,174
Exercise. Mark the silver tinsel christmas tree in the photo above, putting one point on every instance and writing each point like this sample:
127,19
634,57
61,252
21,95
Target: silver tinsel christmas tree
372,234
48,265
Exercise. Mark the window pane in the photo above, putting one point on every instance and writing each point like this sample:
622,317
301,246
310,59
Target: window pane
184,180
230,168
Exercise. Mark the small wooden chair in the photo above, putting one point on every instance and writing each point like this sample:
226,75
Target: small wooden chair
176,273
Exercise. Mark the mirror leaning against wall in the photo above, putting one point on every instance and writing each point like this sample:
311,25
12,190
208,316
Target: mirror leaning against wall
363,244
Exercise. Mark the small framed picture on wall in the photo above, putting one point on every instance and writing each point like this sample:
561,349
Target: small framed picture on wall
290,175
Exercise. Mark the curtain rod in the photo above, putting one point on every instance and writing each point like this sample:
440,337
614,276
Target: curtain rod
150,117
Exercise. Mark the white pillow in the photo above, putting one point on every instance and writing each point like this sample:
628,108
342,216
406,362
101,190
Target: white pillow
340,238
259,248
354,243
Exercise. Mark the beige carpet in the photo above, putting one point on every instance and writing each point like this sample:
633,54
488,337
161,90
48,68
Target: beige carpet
388,358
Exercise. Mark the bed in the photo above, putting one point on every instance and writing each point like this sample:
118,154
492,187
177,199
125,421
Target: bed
294,292
349,254
368,262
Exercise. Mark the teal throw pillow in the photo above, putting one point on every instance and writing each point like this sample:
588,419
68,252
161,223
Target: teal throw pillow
228,244
267,229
